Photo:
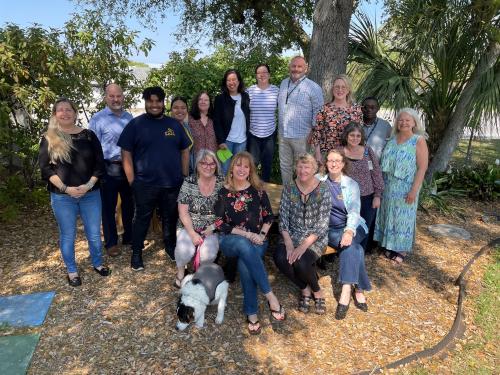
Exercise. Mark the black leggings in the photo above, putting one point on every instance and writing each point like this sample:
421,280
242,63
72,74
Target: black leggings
302,272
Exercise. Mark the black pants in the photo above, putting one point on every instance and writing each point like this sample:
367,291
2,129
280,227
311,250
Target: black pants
110,188
262,150
146,199
302,272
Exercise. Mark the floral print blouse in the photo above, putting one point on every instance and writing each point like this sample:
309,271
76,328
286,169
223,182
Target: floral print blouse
301,219
200,207
246,209
330,123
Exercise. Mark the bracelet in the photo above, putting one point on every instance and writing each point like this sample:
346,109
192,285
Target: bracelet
90,184
263,233
63,188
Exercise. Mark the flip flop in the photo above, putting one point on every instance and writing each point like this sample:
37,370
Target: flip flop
254,331
280,311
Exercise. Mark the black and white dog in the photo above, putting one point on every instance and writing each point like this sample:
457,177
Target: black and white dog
205,287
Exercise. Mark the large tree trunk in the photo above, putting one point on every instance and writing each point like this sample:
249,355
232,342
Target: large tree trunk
329,42
457,122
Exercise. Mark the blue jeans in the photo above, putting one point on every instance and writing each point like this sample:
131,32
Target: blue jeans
66,210
368,213
250,266
234,148
262,150
352,258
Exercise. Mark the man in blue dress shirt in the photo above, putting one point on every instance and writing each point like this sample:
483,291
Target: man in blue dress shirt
108,125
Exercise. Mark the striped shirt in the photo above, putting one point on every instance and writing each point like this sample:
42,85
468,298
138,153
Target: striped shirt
298,104
263,103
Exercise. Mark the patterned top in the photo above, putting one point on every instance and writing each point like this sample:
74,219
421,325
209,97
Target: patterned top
203,136
400,160
303,219
370,181
246,209
200,208
330,123
350,195
298,104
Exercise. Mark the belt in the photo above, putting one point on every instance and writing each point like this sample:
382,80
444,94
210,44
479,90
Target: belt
114,161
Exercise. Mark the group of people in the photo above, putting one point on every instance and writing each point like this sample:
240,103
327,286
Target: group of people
339,162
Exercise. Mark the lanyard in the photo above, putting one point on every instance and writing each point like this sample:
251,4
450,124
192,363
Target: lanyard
288,93
372,129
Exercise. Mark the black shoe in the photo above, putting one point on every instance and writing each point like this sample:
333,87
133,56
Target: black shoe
360,305
75,281
136,262
104,271
341,311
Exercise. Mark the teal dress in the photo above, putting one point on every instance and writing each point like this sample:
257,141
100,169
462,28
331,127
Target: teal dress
396,219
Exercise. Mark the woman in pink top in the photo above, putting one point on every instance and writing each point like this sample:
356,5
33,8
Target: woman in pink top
201,124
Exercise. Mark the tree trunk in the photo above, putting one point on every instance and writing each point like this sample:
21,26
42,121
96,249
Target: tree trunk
329,42
457,121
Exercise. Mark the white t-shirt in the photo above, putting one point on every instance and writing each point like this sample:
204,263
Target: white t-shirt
238,132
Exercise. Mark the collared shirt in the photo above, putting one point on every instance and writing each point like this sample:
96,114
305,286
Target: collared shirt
108,127
377,134
298,104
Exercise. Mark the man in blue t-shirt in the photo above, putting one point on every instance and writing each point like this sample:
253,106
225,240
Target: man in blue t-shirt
155,154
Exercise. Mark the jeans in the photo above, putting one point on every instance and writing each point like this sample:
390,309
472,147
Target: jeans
352,258
234,148
110,188
368,213
146,199
262,150
250,266
302,272
66,210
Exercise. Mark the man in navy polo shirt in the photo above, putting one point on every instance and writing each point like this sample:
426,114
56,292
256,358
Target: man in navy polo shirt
155,154
108,125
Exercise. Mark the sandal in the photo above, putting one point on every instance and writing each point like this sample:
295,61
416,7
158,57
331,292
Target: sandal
320,306
304,303
280,311
394,256
253,327
177,282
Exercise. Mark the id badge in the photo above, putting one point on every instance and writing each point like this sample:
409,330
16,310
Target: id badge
370,165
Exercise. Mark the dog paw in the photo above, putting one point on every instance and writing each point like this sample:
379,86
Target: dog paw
219,320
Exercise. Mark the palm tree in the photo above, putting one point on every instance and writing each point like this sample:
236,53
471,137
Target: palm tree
439,56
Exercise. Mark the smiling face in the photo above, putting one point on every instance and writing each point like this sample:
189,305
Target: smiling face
334,163
354,138
241,170
232,83
203,103
340,89
262,75
297,68
405,123
305,171
65,115
114,98
154,106
179,110
206,167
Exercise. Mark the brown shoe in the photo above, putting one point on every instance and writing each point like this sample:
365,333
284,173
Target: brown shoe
114,251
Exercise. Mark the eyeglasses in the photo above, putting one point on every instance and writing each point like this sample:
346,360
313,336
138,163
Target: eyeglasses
335,161
207,165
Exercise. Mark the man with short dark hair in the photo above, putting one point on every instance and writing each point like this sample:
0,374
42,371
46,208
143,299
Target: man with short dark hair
108,125
155,153
377,130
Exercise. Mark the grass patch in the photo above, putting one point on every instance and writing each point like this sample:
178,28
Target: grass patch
483,151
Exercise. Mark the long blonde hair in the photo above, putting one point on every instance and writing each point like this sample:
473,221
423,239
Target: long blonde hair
59,142
253,177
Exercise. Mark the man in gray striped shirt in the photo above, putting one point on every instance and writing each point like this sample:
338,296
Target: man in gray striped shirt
299,100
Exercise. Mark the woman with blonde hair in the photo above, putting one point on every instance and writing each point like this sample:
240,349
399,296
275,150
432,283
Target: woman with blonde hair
304,214
403,163
71,161
334,117
243,218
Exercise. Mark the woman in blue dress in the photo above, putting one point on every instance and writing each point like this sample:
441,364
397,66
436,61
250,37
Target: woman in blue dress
403,163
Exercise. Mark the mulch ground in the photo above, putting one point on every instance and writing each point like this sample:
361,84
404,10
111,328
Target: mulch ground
124,324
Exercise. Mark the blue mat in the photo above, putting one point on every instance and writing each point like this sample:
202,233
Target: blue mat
16,353
25,310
